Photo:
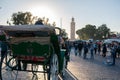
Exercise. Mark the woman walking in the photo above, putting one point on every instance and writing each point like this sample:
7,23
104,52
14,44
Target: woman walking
104,50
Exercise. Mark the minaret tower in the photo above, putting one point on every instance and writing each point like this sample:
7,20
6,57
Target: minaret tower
72,29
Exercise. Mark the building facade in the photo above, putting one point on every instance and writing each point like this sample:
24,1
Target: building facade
72,33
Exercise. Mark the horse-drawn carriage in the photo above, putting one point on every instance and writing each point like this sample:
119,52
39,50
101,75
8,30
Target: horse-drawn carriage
28,48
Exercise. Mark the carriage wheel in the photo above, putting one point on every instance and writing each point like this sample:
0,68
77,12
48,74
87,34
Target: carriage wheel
54,69
64,67
6,72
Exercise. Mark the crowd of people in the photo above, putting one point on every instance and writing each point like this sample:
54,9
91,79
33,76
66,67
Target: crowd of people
82,48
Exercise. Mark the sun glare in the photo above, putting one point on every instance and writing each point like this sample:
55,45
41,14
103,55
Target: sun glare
42,11
47,12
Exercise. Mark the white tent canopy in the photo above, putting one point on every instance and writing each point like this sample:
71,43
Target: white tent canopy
111,40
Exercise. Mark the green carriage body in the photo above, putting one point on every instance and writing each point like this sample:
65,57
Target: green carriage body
34,43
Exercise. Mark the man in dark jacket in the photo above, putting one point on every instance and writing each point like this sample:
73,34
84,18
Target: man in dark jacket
80,46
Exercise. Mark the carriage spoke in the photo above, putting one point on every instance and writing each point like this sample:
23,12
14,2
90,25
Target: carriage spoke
54,68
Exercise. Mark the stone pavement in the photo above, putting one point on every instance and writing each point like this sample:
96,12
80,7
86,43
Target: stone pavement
89,69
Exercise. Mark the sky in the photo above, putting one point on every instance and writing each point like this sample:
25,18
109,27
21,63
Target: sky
94,12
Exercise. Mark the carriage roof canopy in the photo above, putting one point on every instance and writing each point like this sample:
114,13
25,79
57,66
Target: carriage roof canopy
27,28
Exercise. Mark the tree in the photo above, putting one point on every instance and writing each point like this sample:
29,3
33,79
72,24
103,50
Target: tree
102,31
22,18
26,18
81,33
87,32
90,31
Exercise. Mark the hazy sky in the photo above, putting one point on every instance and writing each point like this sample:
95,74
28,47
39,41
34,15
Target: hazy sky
95,12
